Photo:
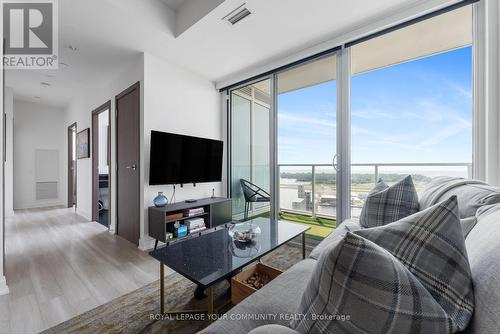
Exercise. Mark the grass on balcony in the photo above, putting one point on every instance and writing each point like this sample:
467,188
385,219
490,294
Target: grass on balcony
320,227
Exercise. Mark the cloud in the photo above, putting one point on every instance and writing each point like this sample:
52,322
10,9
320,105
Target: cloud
374,114
461,91
447,132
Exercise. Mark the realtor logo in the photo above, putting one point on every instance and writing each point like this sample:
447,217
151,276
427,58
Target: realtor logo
30,33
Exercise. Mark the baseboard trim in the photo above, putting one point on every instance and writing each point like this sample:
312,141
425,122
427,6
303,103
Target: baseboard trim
41,206
146,243
83,215
4,289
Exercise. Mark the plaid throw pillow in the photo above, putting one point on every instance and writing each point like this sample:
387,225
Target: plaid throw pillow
431,245
386,204
411,276
364,284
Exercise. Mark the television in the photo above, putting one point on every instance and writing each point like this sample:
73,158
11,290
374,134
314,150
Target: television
178,159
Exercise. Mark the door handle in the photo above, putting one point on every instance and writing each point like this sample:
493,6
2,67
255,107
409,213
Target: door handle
133,167
334,162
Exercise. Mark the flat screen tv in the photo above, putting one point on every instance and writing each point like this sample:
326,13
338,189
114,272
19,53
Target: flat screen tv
178,159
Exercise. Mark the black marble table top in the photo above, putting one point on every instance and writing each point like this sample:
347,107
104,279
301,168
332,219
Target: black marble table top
214,256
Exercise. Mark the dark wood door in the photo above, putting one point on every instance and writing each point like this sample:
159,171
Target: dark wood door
128,171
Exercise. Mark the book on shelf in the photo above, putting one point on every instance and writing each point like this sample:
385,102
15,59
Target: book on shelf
193,212
194,223
199,229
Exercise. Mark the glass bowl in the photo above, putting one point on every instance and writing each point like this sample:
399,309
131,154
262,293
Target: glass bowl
244,249
244,232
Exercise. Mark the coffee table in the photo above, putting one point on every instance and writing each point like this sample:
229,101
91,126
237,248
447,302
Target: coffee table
212,256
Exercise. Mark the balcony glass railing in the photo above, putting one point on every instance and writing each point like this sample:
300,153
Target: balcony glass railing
310,189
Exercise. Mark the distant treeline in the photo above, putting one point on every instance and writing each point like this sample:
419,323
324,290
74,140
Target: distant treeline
326,178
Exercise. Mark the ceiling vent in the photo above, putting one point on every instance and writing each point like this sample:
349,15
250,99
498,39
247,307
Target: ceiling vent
238,14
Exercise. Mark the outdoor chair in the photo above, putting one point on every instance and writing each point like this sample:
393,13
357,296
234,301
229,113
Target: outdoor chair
253,194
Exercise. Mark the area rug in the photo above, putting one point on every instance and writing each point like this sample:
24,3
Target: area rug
138,311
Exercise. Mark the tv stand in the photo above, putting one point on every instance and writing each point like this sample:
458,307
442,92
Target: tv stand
217,212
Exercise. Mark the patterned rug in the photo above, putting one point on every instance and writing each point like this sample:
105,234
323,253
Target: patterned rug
135,312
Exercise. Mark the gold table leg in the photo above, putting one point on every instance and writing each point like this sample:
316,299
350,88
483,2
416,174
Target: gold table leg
304,245
210,310
162,289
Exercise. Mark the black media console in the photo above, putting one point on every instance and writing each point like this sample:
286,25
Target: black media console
217,212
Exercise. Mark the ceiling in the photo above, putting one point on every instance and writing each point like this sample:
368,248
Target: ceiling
108,38
174,4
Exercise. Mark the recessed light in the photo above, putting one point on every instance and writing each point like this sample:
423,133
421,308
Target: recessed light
45,84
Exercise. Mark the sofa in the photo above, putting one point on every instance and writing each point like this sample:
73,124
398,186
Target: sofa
478,202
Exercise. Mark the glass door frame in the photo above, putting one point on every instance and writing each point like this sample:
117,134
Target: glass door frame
343,135
272,133
342,164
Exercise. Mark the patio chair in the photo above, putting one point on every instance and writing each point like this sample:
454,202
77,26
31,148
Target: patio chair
253,194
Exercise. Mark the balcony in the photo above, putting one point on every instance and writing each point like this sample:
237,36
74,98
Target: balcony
307,192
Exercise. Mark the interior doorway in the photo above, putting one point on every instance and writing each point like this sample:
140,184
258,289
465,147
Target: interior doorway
101,144
72,165
128,190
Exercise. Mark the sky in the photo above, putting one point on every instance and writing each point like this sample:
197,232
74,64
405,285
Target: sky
419,111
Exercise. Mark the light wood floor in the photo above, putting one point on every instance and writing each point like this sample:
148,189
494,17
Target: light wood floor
58,266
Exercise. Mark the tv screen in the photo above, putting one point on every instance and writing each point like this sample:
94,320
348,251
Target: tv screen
178,159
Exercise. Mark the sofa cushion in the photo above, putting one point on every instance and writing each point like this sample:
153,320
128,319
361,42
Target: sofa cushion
431,245
388,204
279,298
471,194
337,234
467,225
359,287
273,329
483,248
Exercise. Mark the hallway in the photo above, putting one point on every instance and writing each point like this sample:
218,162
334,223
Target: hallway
58,265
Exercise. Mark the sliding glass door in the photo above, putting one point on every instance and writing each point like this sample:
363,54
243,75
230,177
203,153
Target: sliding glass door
306,144
283,144
250,148
316,135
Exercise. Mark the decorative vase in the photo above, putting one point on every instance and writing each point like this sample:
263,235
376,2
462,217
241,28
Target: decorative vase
160,200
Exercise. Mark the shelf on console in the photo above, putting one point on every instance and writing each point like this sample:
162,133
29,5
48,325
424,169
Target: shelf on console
184,218
218,211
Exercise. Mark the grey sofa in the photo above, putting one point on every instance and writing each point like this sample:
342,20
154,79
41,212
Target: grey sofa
280,298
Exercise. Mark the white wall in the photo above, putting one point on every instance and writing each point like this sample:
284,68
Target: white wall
181,102
36,127
80,111
9,151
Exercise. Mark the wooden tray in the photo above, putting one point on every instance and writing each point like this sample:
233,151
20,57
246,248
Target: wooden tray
173,217
240,290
